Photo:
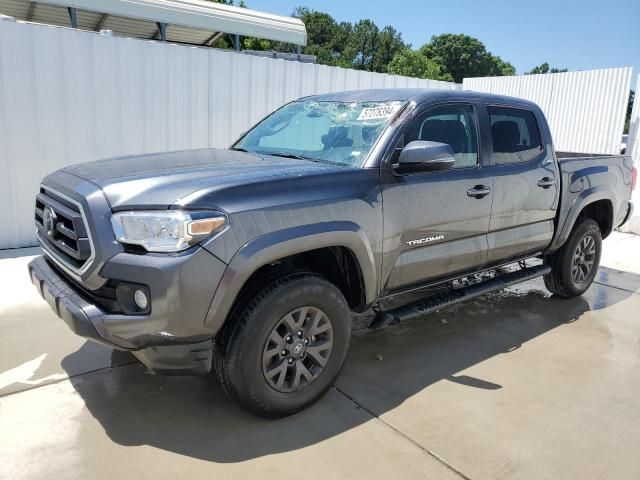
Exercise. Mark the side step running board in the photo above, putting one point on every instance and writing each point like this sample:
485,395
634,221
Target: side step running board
430,304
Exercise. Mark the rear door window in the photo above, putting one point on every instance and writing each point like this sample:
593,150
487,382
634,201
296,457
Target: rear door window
515,135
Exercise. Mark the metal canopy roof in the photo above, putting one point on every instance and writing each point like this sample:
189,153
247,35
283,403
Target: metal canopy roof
188,21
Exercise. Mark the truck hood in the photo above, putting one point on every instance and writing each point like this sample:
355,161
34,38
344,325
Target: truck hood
158,180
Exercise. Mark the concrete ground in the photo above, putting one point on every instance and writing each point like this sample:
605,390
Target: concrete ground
517,384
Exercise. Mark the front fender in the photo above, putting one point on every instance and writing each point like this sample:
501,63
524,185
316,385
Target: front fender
273,246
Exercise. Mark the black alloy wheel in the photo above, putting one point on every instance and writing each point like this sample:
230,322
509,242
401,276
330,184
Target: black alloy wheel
297,349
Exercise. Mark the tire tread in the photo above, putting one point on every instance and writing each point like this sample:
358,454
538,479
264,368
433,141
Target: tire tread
245,310
555,281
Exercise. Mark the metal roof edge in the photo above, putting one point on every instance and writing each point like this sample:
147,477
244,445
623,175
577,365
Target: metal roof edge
199,14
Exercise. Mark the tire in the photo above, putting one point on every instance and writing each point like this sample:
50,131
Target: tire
267,319
572,272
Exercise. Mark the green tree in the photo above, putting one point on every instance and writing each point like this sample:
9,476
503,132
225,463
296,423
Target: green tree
362,45
368,47
389,43
544,68
500,68
253,43
464,56
411,63
326,39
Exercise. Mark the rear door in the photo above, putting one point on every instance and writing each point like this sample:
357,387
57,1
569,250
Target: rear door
436,223
525,185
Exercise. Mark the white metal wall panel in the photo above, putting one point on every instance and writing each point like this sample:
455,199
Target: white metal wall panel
585,109
633,143
535,88
244,89
478,84
68,96
633,147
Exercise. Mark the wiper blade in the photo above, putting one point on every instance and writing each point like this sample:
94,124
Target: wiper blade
276,154
291,155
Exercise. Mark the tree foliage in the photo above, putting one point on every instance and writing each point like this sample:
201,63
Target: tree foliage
544,68
411,63
464,56
326,39
361,45
364,46
389,45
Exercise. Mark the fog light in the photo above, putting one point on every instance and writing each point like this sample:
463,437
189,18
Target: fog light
141,299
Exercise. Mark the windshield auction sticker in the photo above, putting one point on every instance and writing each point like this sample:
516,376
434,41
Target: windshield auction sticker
378,113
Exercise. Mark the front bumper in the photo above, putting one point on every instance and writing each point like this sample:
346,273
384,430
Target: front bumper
172,338
66,303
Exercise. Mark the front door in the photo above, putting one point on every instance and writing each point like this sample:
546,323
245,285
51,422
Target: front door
436,223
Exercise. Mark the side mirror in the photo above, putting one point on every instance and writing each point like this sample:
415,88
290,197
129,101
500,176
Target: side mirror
425,156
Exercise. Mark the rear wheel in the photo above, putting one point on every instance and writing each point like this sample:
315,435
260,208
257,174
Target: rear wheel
285,343
575,265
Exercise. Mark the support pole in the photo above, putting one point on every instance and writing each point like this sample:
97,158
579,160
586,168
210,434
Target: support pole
162,30
31,11
237,42
73,16
213,38
101,22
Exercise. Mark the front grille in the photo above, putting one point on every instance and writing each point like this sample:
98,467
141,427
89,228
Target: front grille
62,228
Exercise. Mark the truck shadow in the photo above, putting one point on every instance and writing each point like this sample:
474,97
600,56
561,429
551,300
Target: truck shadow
192,416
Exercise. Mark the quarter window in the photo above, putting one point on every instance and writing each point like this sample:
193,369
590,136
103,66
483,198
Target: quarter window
515,135
450,124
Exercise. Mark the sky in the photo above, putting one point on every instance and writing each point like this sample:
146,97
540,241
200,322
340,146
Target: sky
578,35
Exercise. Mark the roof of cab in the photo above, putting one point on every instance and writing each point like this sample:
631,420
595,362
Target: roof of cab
417,95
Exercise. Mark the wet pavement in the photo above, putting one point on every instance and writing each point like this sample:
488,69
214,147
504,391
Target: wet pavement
515,384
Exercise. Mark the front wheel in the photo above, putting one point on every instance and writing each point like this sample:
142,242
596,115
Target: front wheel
284,345
574,266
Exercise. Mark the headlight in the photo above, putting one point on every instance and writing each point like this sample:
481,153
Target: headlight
165,230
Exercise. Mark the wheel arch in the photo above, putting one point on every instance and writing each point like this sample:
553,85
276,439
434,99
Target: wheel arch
602,212
593,203
330,249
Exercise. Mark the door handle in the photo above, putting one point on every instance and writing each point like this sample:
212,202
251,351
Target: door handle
479,191
546,182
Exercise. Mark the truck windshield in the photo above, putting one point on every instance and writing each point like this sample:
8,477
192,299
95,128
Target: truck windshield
340,133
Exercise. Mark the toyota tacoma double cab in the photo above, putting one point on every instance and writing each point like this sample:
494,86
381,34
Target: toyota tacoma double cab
249,261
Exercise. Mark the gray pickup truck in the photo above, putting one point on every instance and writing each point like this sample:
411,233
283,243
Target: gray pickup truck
250,260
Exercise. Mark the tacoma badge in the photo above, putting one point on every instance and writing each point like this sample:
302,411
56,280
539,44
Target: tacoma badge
420,241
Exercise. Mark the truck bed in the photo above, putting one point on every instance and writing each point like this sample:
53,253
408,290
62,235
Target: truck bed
592,177
578,155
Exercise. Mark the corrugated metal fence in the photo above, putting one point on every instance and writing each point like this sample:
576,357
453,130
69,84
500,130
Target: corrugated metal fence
633,147
68,96
585,110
